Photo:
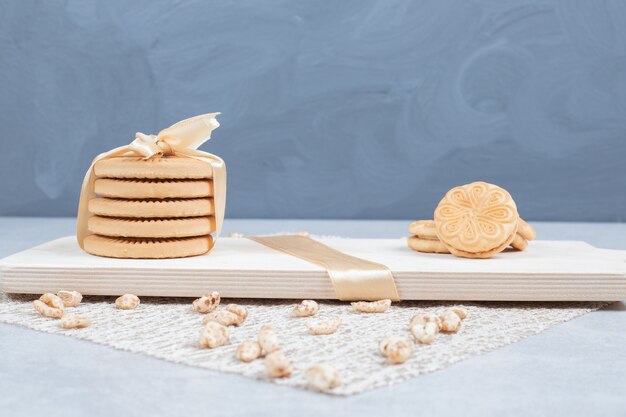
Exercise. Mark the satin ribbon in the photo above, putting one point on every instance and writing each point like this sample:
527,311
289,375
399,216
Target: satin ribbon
181,139
352,278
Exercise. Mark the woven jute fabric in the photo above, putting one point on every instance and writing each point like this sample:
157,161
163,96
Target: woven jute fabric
168,328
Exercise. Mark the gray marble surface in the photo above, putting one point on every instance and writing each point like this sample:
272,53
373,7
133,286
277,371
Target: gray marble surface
574,369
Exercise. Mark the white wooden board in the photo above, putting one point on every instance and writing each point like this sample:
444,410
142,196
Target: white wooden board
239,267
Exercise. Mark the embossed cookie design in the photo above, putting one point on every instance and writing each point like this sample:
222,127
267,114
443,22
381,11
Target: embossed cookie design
476,220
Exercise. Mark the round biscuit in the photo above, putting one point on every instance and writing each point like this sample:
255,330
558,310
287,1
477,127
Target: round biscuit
128,247
167,167
114,207
519,242
477,218
145,188
426,245
526,230
423,228
152,228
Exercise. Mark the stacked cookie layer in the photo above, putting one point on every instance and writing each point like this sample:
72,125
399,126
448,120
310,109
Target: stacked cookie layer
424,237
160,208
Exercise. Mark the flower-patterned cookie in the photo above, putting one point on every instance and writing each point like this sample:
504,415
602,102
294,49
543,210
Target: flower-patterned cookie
476,220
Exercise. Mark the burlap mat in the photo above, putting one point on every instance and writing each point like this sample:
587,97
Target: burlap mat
169,329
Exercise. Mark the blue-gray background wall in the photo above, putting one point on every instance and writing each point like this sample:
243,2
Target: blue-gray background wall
331,109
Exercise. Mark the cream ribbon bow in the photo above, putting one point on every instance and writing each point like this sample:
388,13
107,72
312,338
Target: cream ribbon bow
181,139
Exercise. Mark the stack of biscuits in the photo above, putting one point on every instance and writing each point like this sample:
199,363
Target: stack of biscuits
476,220
157,208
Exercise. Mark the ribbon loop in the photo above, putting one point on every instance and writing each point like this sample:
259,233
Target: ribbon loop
146,146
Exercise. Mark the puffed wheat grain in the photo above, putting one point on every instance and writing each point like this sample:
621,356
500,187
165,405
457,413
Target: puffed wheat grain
324,326
379,306
127,302
423,318
213,335
74,321
425,333
248,351
306,308
450,321
322,377
223,317
50,305
240,311
460,311
397,349
277,365
207,302
70,298
382,346
268,340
